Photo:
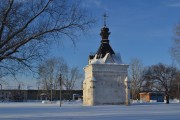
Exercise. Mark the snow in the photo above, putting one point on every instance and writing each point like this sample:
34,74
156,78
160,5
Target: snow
108,59
97,61
76,111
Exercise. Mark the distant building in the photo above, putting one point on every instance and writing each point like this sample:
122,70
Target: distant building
152,96
106,80
25,95
13,95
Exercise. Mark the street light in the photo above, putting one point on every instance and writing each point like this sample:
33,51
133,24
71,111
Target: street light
1,89
1,86
178,91
60,83
51,92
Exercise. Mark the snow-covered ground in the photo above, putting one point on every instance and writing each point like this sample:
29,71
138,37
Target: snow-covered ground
76,111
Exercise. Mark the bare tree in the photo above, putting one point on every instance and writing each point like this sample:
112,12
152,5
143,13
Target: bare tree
162,75
28,26
71,77
136,76
174,92
49,72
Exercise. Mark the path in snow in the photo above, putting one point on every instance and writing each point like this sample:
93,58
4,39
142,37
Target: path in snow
39,111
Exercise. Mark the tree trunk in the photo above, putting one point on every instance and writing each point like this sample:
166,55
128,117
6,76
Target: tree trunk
167,99
69,95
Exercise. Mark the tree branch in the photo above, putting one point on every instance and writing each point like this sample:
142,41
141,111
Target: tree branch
4,19
25,26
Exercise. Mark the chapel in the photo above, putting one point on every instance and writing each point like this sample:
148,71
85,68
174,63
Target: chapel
106,76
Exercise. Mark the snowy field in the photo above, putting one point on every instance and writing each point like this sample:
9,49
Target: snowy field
75,111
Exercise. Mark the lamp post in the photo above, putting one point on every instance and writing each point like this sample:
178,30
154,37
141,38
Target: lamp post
51,92
1,90
1,86
178,91
60,83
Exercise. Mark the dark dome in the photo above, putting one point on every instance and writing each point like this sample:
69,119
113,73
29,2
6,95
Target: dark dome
105,46
105,33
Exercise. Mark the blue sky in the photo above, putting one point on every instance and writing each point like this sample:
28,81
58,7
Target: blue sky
142,29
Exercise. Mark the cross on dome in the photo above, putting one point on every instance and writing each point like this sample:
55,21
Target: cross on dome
105,18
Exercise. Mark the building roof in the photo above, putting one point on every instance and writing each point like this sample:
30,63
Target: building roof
104,49
105,54
105,46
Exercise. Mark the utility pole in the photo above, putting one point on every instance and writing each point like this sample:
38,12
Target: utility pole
1,90
60,83
51,91
1,86
178,91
